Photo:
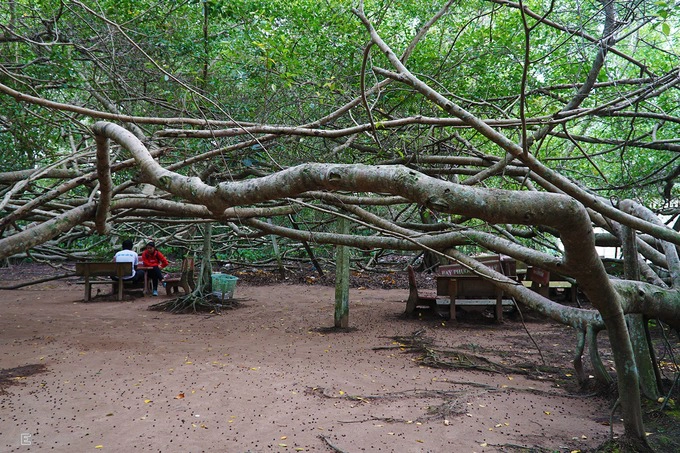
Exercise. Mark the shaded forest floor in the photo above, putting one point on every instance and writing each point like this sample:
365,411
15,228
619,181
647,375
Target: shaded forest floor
272,374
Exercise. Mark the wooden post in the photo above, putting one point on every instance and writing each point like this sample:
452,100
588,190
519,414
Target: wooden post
342,278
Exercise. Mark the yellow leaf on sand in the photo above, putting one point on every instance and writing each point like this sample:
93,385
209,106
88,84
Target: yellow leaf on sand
147,401
546,412
283,445
99,446
284,437
299,449
341,392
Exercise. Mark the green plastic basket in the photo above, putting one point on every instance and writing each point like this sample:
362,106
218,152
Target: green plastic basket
224,285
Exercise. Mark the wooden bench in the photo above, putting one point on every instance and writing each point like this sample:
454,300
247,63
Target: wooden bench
185,280
96,273
552,286
416,297
465,288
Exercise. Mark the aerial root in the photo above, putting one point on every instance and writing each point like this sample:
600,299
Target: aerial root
196,302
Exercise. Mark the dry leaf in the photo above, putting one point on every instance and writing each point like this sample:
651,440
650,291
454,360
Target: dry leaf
180,396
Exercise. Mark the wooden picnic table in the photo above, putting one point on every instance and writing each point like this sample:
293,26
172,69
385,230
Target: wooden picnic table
94,271
459,286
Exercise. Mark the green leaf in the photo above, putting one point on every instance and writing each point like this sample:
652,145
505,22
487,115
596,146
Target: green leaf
666,29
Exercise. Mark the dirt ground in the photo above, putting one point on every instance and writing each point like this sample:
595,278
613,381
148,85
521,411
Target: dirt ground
272,375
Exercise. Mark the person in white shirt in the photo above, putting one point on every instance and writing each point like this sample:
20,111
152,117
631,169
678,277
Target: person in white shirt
128,256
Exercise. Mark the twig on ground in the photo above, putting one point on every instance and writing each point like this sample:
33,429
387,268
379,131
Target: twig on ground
521,318
333,447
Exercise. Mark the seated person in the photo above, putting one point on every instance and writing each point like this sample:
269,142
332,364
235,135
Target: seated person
153,258
128,256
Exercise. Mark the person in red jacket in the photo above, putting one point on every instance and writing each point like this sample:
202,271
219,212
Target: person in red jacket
151,257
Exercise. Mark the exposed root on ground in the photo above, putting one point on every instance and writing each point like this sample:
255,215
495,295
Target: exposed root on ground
418,343
330,445
196,302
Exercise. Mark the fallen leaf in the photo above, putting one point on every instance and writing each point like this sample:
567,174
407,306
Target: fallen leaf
99,446
147,401
284,437
283,445
180,396
546,412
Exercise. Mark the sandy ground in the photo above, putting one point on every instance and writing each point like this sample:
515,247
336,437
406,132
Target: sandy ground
270,376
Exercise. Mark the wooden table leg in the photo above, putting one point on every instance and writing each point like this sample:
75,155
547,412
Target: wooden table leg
453,291
146,282
498,315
